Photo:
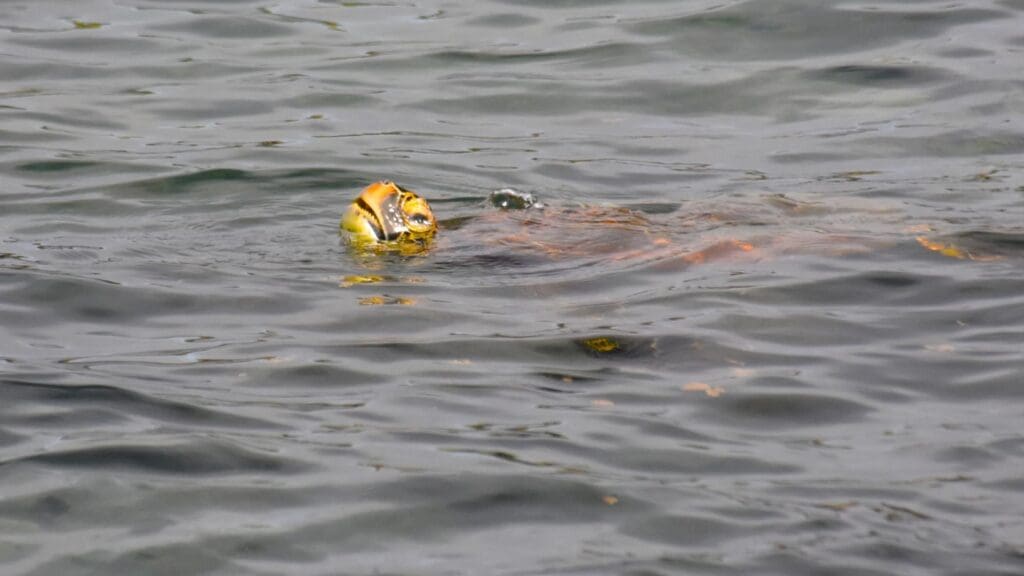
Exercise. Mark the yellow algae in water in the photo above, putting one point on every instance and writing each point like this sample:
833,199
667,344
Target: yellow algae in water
83,25
350,281
386,300
602,345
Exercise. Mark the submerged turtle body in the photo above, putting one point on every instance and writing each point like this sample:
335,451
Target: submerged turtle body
604,233
562,232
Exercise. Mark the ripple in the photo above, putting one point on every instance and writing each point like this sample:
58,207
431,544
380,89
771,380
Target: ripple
185,459
216,27
609,54
316,375
111,403
961,143
786,410
63,43
558,4
883,288
991,243
109,302
218,109
682,530
674,462
507,20
781,29
880,76
771,92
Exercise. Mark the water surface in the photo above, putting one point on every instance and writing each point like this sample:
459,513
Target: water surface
198,376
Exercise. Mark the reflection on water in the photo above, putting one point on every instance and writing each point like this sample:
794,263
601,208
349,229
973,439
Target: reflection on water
767,318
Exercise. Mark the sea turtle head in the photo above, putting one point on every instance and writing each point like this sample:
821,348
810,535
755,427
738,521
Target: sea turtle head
386,212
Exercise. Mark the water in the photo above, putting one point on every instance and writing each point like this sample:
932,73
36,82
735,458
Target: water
199,377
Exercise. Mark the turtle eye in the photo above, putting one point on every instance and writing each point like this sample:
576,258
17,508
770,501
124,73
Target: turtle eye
419,219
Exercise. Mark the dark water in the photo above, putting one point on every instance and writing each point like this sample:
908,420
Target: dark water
199,377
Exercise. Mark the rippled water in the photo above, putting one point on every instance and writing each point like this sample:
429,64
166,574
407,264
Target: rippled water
770,322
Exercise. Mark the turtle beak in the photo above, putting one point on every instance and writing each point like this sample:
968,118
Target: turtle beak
418,216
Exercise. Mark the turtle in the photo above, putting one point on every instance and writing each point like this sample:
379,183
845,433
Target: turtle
388,217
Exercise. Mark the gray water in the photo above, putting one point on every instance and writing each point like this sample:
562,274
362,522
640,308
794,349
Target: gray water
199,376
